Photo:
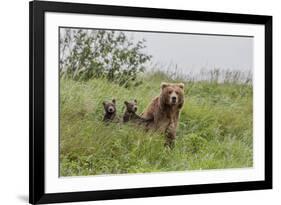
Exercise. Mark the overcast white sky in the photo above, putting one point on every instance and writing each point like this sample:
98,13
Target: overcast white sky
193,52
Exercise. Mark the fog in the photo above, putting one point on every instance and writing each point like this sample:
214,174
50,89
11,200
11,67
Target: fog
192,53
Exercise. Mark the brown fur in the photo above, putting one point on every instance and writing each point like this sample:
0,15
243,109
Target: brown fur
130,112
131,115
164,112
109,111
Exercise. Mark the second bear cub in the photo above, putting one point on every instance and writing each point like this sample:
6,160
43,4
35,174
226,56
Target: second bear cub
130,112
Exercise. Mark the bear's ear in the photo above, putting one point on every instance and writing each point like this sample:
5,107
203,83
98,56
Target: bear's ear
114,101
181,85
163,85
104,103
126,102
135,100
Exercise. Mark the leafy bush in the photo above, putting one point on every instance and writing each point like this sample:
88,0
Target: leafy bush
86,54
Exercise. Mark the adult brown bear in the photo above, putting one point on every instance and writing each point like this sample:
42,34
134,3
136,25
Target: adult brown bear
164,110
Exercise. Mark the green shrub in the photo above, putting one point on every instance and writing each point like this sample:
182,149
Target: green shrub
87,54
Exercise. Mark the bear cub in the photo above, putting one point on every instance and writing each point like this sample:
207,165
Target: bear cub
109,110
131,115
130,111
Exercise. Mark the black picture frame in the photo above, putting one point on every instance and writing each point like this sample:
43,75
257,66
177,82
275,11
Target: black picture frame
37,10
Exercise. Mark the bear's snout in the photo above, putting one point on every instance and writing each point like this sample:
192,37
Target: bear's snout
173,98
111,109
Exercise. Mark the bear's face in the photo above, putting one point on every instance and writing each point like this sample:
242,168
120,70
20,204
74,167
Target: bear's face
110,107
132,106
172,93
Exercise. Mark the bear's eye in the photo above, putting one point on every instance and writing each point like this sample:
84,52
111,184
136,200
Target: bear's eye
177,92
170,92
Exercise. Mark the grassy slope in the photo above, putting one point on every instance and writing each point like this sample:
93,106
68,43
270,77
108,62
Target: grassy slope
215,129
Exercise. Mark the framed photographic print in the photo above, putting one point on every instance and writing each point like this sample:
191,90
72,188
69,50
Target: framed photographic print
141,102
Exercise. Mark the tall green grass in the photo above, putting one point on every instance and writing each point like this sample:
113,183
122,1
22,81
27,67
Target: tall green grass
215,129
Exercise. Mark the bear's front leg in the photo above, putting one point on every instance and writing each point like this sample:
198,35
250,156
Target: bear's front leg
170,135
